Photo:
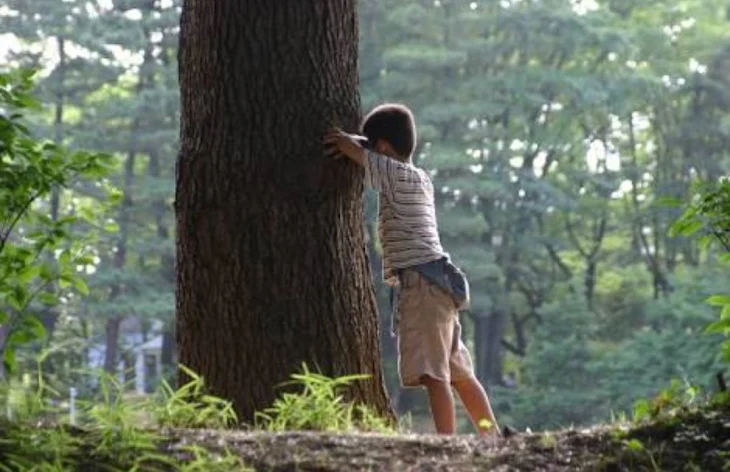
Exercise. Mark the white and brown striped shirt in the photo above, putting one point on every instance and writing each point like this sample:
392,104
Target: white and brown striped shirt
407,216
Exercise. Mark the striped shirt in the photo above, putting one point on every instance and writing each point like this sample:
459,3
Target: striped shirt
407,216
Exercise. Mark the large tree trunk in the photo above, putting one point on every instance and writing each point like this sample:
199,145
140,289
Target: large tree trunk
272,268
488,331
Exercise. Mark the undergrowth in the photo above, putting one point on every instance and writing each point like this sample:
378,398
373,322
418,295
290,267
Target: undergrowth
112,432
320,405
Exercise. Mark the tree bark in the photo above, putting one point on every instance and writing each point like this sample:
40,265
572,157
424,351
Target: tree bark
272,267
488,329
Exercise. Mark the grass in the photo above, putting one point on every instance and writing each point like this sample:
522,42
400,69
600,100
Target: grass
116,432
320,405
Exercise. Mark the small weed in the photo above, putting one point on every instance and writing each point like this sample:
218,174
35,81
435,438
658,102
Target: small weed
548,441
667,403
320,406
39,449
116,436
637,448
191,407
109,436
203,460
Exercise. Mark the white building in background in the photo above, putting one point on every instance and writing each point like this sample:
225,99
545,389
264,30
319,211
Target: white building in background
148,363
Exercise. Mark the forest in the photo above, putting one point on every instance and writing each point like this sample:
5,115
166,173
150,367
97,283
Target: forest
565,138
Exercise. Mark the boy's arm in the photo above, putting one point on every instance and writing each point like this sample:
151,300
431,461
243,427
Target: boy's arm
340,143
380,170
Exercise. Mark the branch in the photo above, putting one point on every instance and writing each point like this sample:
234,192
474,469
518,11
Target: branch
18,216
512,348
558,261
573,238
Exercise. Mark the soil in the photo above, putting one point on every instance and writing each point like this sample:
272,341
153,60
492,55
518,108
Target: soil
688,441
691,441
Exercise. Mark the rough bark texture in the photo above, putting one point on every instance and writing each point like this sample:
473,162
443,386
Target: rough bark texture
272,268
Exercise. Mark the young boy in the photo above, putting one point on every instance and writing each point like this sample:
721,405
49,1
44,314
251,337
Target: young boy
431,289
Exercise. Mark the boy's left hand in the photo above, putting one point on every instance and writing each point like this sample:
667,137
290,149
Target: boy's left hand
340,143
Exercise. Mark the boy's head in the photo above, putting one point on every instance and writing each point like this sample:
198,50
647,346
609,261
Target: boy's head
391,130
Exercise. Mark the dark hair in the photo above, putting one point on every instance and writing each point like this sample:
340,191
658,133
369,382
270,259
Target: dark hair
394,123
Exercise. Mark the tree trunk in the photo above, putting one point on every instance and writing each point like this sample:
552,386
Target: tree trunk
488,330
272,266
111,336
49,315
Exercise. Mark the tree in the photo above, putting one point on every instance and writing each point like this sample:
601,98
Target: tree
272,269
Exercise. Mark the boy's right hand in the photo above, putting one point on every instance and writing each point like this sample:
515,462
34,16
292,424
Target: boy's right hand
340,143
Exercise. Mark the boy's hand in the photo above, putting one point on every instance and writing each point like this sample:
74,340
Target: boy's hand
340,143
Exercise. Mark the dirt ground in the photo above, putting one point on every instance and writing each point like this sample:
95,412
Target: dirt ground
698,441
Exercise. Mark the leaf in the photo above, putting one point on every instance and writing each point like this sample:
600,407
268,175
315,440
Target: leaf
669,202
718,327
28,274
4,317
642,410
48,299
9,359
685,227
20,336
718,300
34,326
111,227
635,445
80,285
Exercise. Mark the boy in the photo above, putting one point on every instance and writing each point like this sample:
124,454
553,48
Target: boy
432,290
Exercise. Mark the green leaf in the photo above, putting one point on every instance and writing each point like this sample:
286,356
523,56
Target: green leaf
635,445
669,202
80,284
28,274
111,227
718,300
642,410
64,281
9,361
686,227
4,317
64,259
34,326
718,327
48,299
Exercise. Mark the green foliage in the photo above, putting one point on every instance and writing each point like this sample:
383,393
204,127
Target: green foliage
30,169
320,406
668,403
711,216
112,434
191,407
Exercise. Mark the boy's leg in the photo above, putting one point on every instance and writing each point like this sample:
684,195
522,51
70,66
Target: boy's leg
442,405
425,336
470,391
476,402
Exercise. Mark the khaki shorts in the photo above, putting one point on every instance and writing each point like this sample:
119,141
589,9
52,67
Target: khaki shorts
429,334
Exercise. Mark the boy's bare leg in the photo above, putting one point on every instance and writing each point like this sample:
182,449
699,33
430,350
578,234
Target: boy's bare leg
442,405
476,402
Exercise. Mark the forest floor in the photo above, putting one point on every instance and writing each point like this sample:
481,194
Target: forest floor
697,440
690,441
